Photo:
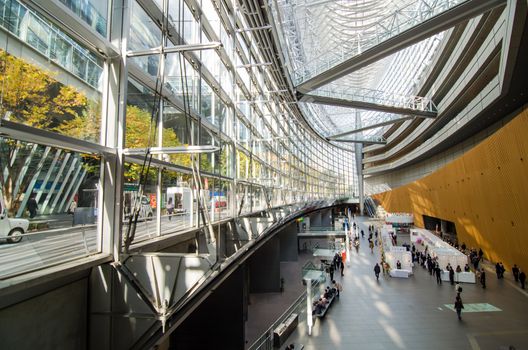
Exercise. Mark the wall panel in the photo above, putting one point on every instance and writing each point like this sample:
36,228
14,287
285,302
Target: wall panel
484,192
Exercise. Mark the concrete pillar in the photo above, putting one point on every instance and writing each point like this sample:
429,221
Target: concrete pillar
219,320
264,268
306,224
288,243
326,218
315,219
359,166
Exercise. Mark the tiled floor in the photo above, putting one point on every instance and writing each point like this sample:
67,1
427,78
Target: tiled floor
411,314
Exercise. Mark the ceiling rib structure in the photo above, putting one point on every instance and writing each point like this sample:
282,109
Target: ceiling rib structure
401,29
358,67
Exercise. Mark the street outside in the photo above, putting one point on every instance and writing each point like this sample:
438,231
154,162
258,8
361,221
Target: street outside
61,242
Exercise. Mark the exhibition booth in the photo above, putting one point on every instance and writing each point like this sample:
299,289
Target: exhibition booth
399,219
444,253
393,254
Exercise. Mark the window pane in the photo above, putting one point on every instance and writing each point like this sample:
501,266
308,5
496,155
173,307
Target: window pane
50,201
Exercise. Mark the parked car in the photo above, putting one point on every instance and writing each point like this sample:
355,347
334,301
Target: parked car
10,228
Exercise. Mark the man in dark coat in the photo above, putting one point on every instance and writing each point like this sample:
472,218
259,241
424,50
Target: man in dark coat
438,273
515,271
483,278
377,271
522,278
32,206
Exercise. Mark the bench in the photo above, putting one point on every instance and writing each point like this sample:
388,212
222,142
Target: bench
322,313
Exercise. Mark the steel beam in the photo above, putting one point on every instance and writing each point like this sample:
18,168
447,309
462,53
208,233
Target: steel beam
332,101
28,134
172,150
174,49
411,36
373,126
374,140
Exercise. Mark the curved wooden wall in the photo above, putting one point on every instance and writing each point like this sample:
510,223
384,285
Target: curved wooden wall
484,192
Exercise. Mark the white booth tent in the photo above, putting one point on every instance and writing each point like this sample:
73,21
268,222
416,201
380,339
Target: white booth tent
394,253
399,218
445,254
449,256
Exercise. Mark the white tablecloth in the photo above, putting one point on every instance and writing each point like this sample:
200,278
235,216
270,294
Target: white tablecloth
463,277
400,273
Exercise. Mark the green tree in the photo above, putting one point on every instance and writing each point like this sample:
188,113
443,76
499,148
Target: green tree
31,96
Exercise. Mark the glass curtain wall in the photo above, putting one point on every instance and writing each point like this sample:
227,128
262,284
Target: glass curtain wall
58,195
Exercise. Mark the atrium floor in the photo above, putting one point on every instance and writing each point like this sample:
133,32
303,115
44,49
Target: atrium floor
409,313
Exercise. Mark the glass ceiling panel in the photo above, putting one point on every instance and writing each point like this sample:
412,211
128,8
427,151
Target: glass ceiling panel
316,29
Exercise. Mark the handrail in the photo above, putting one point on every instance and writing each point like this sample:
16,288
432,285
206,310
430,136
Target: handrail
265,341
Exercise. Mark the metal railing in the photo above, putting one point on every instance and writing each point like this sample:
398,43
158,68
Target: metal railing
265,341
416,103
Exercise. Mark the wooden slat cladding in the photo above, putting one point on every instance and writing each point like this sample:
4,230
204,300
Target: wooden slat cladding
484,192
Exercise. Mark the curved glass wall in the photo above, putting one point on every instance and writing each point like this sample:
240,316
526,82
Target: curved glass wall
76,125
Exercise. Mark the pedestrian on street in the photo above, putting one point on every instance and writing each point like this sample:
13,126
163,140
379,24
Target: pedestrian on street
377,271
32,206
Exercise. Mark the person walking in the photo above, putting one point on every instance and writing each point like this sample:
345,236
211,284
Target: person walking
371,246
483,278
32,206
515,271
498,270
451,275
458,307
170,208
522,278
72,207
377,271
458,289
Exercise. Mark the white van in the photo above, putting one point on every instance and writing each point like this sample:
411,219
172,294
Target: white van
145,210
11,228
